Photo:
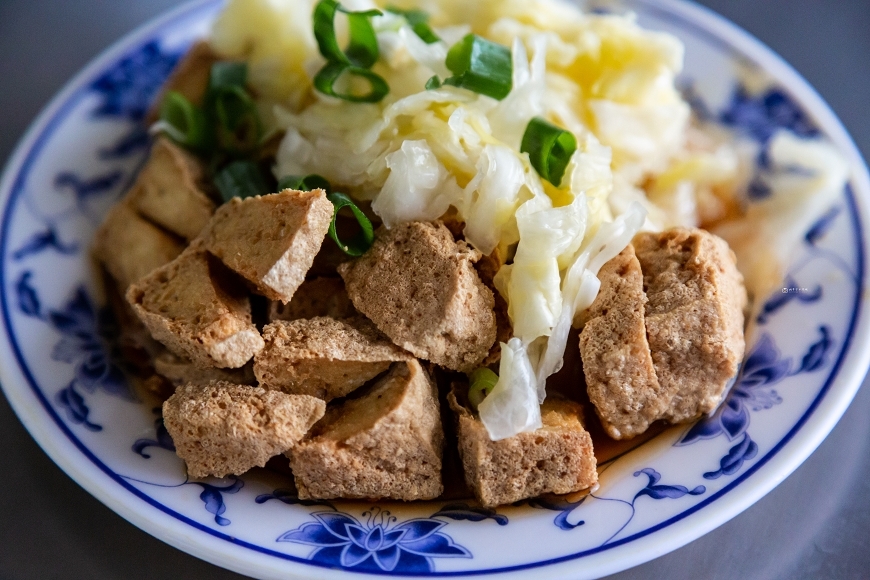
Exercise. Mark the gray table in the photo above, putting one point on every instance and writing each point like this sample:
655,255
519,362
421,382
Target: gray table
816,524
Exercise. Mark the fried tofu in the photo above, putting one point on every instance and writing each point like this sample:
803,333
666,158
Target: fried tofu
271,240
131,247
557,458
620,377
385,444
190,77
168,190
693,316
317,297
181,371
221,428
323,357
420,288
197,310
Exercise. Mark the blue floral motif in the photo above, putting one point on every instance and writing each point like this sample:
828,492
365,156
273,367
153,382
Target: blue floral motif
42,241
212,496
76,409
378,545
563,506
760,115
129,87
822,226
762,368
290,497
81,344
656,491
83,189
790,291
28,299
162,439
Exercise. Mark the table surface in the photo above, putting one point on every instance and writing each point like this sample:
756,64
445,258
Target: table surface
51,528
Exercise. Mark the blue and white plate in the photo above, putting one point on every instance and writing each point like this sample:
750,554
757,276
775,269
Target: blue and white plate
802,369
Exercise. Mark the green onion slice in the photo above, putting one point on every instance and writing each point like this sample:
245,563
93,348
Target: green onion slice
361,242
480,66
238,127
304,183
227,74
362,50
240,179
419,23
184,122
433,83
326,79
550,149
483,382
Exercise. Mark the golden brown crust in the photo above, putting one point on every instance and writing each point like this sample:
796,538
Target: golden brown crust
168,190
271,240
313,298
385,444
194,308
131,247
694,317
222,428
189,77
420,288
181,371
617,363
323,357
557,458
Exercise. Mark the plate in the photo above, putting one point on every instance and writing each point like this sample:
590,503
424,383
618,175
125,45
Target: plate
802,370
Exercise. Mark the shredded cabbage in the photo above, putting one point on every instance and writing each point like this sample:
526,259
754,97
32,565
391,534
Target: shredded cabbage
420,154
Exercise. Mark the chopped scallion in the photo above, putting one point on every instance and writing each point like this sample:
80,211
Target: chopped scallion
419,23
550,149
329,75
480,66
362,50
238,129
227,74
361,242
483,382
240,179
434,83
184,122
306,183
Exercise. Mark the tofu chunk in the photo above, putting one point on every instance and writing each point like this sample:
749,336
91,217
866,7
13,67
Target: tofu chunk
197,310
620,376
221,428
181,371
168,190
313,298
131,247
271,240
557,458
323,357
385,444
190,77
693,317
420,288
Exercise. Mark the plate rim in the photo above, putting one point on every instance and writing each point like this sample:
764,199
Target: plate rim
845,378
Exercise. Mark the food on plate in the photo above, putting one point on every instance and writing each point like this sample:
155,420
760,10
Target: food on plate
386,443
324,357
197,310
557,458
664,336
221,428
420,288
270,240
130,246
433,213
169,190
